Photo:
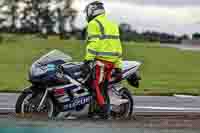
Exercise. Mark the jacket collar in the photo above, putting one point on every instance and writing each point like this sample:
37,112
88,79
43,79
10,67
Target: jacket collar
100,16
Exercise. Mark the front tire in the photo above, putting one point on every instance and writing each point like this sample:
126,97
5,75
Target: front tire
26,105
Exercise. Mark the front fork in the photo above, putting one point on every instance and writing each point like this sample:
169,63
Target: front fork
42,100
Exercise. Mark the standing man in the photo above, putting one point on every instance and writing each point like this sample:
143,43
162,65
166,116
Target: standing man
104,49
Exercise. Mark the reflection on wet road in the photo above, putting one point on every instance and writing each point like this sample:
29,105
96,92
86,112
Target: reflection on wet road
95,130
146,120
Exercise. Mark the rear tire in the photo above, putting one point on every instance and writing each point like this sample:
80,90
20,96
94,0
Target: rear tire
127,108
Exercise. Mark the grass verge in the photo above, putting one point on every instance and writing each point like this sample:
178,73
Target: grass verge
165,71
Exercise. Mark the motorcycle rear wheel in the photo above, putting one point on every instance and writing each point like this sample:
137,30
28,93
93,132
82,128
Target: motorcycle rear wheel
126,109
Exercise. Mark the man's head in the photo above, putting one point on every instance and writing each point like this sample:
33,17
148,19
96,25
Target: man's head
94,9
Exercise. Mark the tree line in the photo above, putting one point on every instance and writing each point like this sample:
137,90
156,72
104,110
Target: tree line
44,18
128,34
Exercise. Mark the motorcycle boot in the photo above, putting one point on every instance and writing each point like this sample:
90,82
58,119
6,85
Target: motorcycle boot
104,112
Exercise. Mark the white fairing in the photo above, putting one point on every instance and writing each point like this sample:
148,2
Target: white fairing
130,67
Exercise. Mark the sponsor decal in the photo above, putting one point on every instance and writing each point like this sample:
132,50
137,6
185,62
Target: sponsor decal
51,67
78,101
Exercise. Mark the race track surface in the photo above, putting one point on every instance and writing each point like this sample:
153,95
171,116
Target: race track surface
150,112
142,103
182,47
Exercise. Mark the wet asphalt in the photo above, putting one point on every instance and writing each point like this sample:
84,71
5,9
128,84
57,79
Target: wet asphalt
152,114
142,103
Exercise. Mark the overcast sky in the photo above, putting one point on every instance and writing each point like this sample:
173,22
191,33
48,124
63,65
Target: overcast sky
166,2
172,16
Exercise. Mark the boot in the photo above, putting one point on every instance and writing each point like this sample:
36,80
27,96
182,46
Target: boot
105,112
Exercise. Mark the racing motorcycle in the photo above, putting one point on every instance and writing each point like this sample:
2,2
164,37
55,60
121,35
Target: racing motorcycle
58,89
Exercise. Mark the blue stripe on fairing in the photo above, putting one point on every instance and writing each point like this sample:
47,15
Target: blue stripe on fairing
71,87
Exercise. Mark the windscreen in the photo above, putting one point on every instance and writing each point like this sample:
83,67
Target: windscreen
39,67
53,56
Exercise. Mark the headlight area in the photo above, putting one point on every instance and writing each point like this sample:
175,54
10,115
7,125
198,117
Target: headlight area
134,79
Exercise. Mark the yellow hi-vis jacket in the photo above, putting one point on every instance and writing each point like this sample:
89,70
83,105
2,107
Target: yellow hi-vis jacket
103,41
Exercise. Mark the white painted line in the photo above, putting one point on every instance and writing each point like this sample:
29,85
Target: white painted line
167,108
185,96
7,109
9,94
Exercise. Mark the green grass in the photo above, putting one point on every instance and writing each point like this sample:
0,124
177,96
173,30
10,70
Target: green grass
165,71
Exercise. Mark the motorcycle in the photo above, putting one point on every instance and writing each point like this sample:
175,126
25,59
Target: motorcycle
58,89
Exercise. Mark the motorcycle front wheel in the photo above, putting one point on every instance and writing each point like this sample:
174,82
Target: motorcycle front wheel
28,102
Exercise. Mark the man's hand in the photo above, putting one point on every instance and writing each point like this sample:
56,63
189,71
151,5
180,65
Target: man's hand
86,68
